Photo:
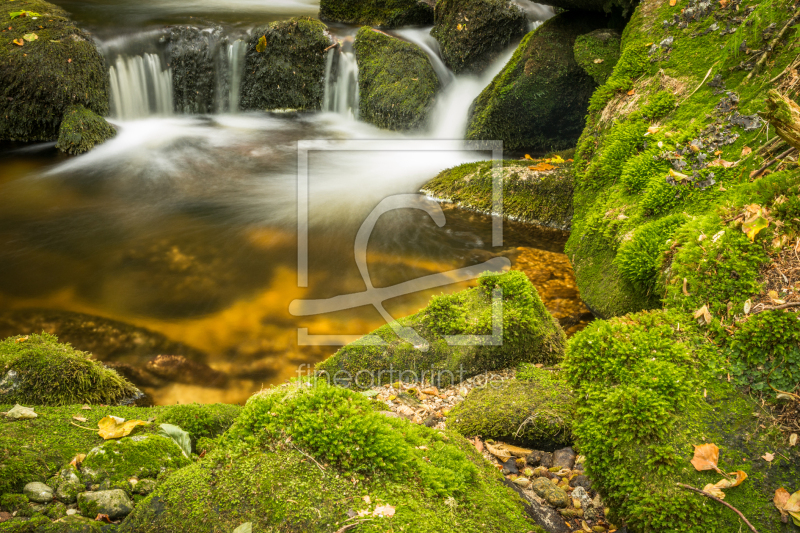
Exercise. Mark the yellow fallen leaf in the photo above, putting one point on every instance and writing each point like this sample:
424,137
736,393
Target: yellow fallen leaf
753,225
714,491
77,460
729,483
541,167
528,157
706,457
262,44
556,159
459,27
18,42
112,427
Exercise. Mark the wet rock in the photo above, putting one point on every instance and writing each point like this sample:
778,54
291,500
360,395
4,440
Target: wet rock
544,516
581,481
554,495
473,33
597,52
179,369
195,59
564,458
510,466
114,503
81,130
68,485
38,492
540,458
378,13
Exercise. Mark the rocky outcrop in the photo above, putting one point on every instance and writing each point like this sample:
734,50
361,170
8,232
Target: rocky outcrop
597,52
380,13
81,130
397,84
287,70
195,62
473,33
538,102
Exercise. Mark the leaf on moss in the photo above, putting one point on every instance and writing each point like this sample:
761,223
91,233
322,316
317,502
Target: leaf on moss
385,510
262,44
705,314
721,163
541,167
23,13
768,457
793,439
112,427
77,460
30,37
18,42
528,157
754,225
714,491
746,151
788,504
706,457
672,3
247,527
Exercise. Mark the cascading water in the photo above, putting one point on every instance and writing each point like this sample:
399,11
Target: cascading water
341,82
140,87
236,51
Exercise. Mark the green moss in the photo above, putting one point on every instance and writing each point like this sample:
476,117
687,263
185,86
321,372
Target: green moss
539,99
640,258
396,82
530,334
472,34
384,14
13,502
141,456
289,73
536,412
263,473
597,52
45,77
539,198
201,421
81,130
39,370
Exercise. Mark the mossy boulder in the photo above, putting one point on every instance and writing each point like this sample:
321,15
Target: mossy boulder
533,192
81,130
396,81
39,370
305,456
539,100
380,13
651,386
597,52
473,33
289,72
141,456
40,523
535,410
44,78
530,334
40,448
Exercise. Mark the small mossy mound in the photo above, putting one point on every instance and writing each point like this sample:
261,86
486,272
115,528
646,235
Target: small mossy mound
530,334
650,386
39,523
37,449
534,410
380,13
81,130
396,82
303,456
597,52
46,76
473,33
141,456
539,99
39,370
539,197
289,72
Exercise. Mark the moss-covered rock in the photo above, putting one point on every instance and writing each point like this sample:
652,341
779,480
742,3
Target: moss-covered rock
81,130
289,72
304,456
396,81
37,369
530,334
39,523
42,79
381,13
533,192
141,456
538,101
597,52
37,449
473,33
534,410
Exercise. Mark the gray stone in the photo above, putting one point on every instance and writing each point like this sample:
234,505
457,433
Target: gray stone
38,492
115,503
145,486
554,495
564,458
581,481
582,496
510,466
544,516
68,485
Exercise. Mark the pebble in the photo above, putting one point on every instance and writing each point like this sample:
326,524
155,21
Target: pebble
522,482
581,481
552,494
564,458
38,492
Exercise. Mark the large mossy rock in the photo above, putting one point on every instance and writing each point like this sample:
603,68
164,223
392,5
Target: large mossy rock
473,33
396,81
534,192
42,79
380,13
651,386
305,456
530,335
140,456
289,73
597,52
38,370
81,130
536,410
37,449
538,101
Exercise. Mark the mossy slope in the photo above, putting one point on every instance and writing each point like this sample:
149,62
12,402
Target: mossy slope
539,99
289,73
380,13
81,130
597,52
46,76
396,82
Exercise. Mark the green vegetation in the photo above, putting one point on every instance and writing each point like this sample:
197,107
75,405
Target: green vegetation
289,73
81,130
473,33
46,76
380,13
530,334
597,52
141,456
396,82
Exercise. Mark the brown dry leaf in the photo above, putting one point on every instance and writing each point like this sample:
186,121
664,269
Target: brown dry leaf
706,457
653,129
746,151
502,454
112,427
704,313
86,407
478,444
714,491
728,483
686,287
103,518
780,500
385,510
720,163
768,457
793,439
79,418
77,460
723,3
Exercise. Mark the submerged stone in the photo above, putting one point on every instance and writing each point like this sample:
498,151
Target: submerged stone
380,13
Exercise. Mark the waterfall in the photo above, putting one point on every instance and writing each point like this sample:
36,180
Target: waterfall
236,51
422,38
140,87
341,83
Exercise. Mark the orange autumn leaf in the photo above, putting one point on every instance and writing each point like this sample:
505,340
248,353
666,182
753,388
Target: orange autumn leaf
18,42
542,167
780,500
706,457
672,3
631,92
729,483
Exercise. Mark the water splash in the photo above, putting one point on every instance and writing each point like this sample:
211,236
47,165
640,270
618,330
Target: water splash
236,51
140,87
341,83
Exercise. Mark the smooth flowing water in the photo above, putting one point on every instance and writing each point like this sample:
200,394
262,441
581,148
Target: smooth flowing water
186,223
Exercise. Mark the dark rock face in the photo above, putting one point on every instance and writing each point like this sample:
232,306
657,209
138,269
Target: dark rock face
397,84
381,13
196,61
473,33
539,100
289,72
